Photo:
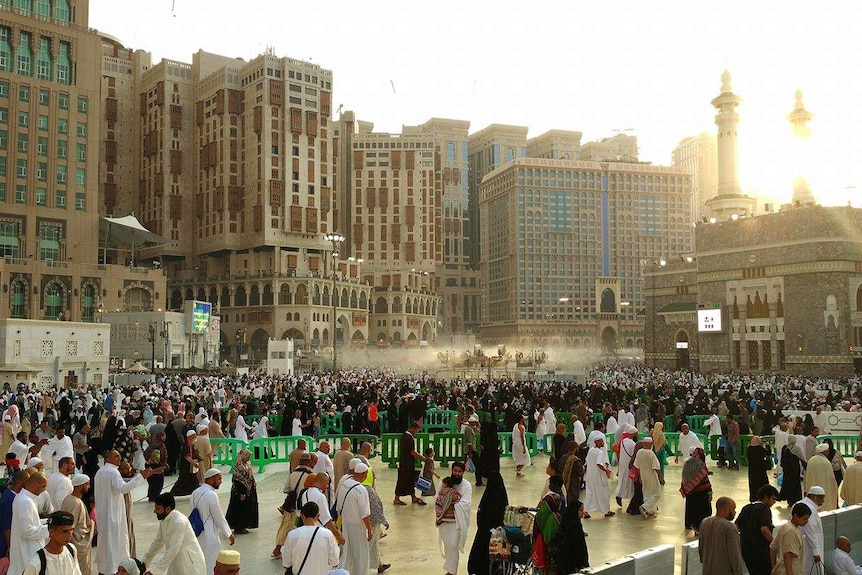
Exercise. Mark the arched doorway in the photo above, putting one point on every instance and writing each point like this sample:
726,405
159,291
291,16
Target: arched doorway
609,340
682,350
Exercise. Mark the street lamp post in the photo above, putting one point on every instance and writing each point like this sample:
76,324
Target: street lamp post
336,240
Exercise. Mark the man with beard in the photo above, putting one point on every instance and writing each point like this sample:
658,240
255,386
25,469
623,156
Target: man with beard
812,532
205,500
719,547
82,535
453,534
175,548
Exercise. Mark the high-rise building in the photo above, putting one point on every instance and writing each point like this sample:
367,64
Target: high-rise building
618,148
391,193
698,155
564,244
55,262
247,212
487,150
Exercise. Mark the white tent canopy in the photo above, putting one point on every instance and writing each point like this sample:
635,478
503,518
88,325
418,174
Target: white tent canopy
127,231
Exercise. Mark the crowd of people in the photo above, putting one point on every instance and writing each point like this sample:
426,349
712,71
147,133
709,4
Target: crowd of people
74,456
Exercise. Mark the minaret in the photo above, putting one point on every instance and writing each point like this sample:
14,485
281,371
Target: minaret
799,119
729,200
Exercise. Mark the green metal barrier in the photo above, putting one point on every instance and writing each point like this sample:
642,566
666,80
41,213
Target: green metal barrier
668,423
330,424
505,443
356,441
391,448
225,450
566,419
268,450
448,447
744,440
484,416
599,417
532,444
440,420
844,444
383,421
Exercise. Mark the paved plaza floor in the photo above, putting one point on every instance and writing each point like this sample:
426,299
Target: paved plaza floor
411,545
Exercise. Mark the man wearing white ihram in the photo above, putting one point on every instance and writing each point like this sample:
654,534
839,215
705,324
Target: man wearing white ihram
453,535
519,446
597,474
355,509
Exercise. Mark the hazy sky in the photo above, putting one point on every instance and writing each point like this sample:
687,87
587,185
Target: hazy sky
652,66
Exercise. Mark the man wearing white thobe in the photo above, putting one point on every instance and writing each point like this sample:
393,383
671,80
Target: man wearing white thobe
597,472
851,487
714,424
625,485
687,439
60,482
842,563
175,549
812,532
316,494
819,472
320,554
355,509
780,441
578,432
651,478
205,500
111,518
29,534
821,420
242,428
453,535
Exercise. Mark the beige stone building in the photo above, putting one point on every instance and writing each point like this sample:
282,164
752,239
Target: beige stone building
618,148
787,287
555,144
698,155
563,243
54,263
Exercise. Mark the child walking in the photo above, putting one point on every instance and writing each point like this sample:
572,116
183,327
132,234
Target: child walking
429,473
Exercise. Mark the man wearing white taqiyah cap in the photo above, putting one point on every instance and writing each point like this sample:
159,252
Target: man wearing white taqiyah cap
812,532
227,563
651,477
82,535
597,473
819,472
355,509
625,485
851,487
204,450
205,500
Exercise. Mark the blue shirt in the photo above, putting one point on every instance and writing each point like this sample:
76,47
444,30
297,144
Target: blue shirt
5,517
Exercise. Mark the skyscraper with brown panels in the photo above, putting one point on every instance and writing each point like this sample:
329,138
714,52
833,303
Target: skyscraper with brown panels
235,167
51,266
392,192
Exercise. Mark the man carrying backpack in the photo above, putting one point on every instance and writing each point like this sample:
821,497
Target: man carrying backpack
291,489
58,556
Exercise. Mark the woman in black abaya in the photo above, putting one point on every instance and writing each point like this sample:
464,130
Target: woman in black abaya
489,515
572,555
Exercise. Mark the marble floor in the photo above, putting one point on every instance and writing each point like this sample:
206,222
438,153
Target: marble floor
411,545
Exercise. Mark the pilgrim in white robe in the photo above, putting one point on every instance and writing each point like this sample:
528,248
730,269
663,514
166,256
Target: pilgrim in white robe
111,516
453,536
598,493
819,472
354,507
323,555
29,534
82,536
812,538
205,499
842,564
648,464
175,549
851,487
59,486
625,485
520,454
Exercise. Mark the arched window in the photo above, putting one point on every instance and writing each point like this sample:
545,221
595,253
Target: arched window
380,306
88,303
396,305
61,11
239,297
301,295
224,300
53,301
267,294
609,301
176,300
315,297
254,296
363,301
19,300
859,298
138,299
284,295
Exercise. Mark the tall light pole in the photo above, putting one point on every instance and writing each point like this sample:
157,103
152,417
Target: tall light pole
336,240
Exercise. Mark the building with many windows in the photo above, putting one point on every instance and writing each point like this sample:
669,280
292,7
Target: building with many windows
698,155
563,243
52,267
